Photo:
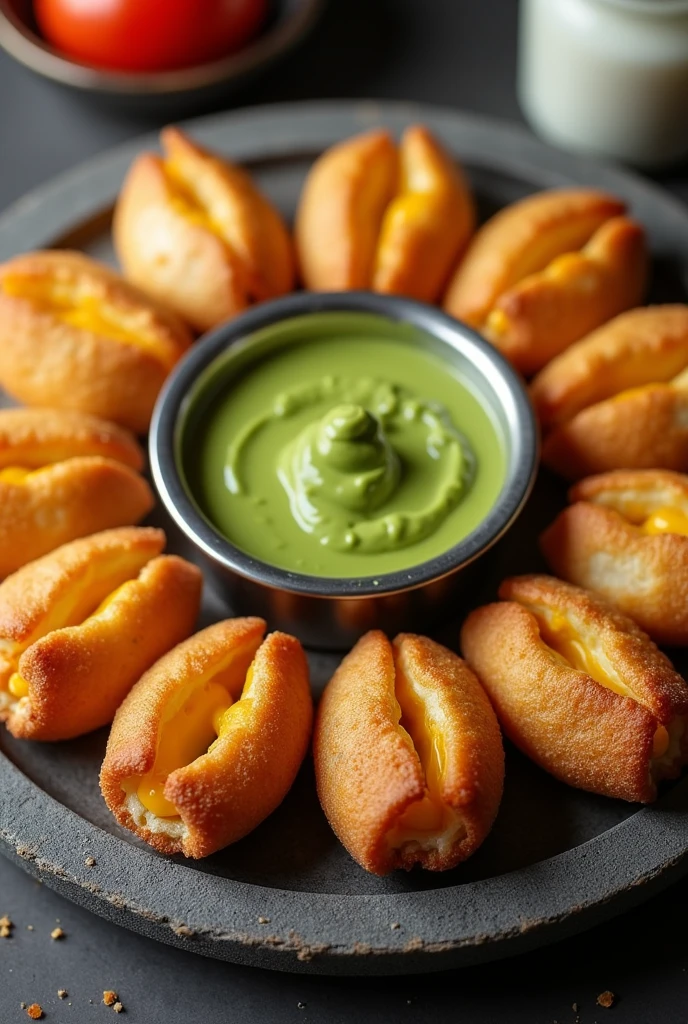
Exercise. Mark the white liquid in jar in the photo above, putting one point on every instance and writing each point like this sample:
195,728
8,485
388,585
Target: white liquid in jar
608,77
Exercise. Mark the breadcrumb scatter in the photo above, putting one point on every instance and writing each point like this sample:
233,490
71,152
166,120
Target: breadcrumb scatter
109,997
605,999
90,862
57,933
6,926
118,1008
35,1011
62,993
263,920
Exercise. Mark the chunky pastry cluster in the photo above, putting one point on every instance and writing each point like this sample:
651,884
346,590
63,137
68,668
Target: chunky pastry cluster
209,730
547,270
579,688
384,217
408,755
209,741
618,399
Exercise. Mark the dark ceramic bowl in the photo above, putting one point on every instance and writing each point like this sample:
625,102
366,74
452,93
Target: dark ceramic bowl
167,91
321,611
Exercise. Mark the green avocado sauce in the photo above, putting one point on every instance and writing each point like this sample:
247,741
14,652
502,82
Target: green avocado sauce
349,450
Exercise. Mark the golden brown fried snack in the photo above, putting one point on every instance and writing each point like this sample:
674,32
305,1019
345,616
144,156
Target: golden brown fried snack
387,218
579,688
618,399
74,335
389,794
194,230
33,438
80,625
545,271
210,740
63,475
626,536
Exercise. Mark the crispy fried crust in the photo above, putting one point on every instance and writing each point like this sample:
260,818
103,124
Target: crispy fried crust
79,675
521,240
642,346
38,437
428,225
206,268
91,568
46,361
546,312
367,769
340,212
642,428
593,543
582,732
226,793
372,215
61,502
474,769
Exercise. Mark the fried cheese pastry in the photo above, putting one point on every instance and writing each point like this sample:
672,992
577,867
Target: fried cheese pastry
383,217
579,688
195,231
408,755
618,399
64,475
625,535
547,270
79,626
210,740
74,335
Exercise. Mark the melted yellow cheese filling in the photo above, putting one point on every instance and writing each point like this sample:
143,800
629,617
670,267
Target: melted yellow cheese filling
18,686
187,203
427,815
666,520
63,615
73,305
13,475
191,729
182,738
559,635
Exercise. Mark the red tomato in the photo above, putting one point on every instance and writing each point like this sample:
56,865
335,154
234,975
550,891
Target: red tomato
148,35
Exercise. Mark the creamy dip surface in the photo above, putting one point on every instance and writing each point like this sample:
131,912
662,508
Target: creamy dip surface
348,452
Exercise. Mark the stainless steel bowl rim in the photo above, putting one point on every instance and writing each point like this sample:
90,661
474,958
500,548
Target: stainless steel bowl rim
168,415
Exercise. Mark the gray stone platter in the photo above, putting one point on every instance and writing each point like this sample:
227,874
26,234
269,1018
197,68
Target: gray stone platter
288,896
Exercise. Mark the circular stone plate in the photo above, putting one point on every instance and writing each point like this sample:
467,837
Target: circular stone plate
288,896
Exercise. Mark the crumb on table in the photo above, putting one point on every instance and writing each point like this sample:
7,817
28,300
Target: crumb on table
605,999
109,997
62,993
35,1011
118,1008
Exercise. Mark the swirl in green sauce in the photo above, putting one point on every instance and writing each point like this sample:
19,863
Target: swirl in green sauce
348,450
343,466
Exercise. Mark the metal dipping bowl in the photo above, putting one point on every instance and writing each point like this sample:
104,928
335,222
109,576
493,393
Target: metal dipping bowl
328,612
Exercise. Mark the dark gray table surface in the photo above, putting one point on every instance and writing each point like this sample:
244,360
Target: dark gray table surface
458,53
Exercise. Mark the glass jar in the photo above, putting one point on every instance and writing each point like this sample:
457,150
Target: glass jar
607,77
